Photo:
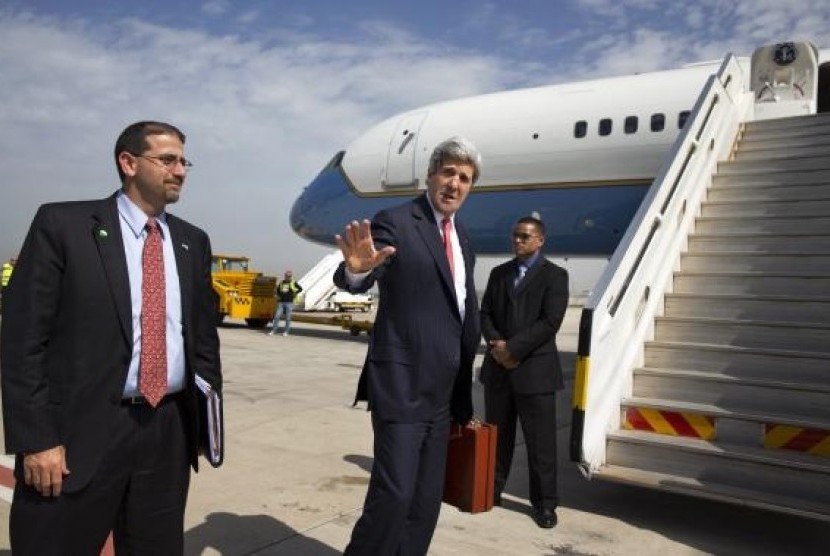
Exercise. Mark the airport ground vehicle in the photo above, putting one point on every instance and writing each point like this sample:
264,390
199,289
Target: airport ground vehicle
242,293
341,301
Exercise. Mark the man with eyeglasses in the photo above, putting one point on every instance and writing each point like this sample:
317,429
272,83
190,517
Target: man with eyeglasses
521,311
105,327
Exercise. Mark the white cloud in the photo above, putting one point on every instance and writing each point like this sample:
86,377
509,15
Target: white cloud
261,117
264,113
215,7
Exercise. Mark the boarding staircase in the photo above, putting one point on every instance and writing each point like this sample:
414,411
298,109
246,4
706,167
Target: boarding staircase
317,283
733,399
704,351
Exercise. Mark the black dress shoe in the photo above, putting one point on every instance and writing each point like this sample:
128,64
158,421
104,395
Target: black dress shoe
545,518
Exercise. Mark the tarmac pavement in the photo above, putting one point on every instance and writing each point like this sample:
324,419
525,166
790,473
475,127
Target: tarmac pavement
298,457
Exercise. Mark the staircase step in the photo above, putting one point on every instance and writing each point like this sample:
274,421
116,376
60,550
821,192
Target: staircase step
746,333
794,124
773,145
781,478
759,243
732,414
738,261
819,148
781,178
769,397
719,282
774,459
786,192
816,207
770,224
770,308
763,364
756,167
711,489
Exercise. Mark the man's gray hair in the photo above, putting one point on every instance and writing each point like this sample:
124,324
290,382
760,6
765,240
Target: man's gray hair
455,148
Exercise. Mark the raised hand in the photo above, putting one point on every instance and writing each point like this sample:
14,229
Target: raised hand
358,248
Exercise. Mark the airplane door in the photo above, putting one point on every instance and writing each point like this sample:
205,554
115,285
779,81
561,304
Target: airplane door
784,80
400,161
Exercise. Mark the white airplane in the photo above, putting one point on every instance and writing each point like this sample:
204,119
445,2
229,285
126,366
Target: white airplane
579,155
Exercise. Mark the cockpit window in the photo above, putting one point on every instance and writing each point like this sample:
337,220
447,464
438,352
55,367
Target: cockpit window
334,162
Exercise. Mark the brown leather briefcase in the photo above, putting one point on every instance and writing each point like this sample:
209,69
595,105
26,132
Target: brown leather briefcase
471,465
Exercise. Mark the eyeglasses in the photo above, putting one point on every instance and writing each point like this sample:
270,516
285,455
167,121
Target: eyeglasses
521,236
169,161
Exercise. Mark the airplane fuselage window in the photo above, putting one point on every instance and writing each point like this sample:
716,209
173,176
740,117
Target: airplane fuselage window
658,122
605,126
630,125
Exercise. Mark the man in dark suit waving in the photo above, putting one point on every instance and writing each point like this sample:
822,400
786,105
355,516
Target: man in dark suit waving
418,370
109,316
521,311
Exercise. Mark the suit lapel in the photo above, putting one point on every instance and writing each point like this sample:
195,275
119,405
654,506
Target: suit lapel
106,232
181,247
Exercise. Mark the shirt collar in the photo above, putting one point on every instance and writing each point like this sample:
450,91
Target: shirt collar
530,262
135,218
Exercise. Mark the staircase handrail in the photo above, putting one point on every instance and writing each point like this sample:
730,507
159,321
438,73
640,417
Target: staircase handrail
618,317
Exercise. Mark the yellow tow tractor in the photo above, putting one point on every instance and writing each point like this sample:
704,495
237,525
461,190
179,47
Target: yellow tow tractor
242,293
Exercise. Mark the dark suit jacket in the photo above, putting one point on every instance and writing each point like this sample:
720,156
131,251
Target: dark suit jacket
528,318
67,337
420,352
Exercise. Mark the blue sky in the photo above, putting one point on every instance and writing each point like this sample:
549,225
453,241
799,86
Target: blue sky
268,91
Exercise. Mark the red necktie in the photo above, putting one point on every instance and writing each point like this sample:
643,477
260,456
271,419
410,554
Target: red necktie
446,228
152,376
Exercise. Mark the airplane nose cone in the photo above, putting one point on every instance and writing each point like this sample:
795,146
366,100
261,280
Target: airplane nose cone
315,214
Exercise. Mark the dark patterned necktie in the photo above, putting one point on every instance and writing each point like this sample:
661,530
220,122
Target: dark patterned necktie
520,275
152,376
446,228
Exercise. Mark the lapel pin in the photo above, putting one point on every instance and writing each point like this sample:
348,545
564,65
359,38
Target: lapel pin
102,233
186,247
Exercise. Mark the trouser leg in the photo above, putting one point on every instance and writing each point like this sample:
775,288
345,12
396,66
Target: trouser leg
537,414
73,523
276,324
151,520
500,410
401,500
147,453
426,502
289,307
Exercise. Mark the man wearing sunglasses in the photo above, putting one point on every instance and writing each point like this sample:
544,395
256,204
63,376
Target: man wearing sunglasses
521,311
111,317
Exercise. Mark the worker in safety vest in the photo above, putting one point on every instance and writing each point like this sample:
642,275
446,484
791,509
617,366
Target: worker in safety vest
8,267
287,290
